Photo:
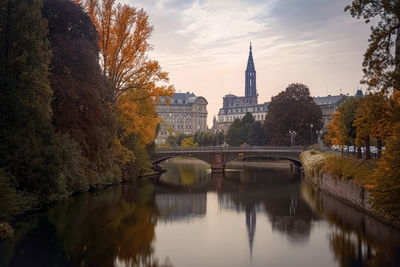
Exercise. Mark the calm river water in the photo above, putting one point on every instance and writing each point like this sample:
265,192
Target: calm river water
251,216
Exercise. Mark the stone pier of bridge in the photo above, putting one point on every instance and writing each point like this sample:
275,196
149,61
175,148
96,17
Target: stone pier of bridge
217,164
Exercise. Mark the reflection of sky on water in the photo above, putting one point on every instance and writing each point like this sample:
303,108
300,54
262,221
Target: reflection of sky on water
252,217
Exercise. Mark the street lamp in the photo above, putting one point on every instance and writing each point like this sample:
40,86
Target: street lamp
311,131
293,135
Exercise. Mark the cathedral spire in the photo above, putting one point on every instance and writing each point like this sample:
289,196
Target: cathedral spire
250,84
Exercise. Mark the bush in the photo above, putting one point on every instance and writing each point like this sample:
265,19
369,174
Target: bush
73,176
11,202
349,168
312,163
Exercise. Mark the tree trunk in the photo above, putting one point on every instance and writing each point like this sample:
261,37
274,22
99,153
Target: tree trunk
348,150
379,147
396,84
367,148
359,152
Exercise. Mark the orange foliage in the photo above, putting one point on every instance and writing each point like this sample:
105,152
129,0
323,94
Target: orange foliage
123,33
334,132
371,118
138,118
137,81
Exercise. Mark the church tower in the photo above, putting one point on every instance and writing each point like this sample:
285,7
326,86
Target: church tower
251,96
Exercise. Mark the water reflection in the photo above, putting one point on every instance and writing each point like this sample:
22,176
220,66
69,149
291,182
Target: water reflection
115,227
247,217
174,207
356,238
274,191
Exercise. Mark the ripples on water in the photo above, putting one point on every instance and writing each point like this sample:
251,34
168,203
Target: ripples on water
249,217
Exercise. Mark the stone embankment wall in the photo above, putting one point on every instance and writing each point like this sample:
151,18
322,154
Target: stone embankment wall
350,192
347,190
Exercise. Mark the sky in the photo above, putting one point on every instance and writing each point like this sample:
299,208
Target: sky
204,45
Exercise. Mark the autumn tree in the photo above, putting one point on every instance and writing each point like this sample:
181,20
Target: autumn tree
341,130
292,110
137,82
385,196
370,119
123,41
381,64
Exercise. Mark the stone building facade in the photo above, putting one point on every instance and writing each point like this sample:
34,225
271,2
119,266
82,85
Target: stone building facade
184,113
235,107
329,105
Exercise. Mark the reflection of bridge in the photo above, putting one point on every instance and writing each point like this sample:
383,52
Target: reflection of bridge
217,157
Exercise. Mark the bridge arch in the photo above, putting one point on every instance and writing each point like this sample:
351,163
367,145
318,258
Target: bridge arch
294,161
160,160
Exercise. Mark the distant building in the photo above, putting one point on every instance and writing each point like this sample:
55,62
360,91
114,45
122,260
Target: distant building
184,113
235,107
329,105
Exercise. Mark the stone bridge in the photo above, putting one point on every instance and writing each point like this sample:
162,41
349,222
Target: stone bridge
218,157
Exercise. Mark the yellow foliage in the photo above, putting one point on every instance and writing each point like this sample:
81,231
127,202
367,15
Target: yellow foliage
120,153
189,142
334,132
137,81
371,118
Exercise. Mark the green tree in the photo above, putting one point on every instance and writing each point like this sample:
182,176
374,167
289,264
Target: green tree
80,88
381,64
256,136
292,109
240,131
28,143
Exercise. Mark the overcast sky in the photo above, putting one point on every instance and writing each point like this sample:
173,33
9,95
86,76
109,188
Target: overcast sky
204,45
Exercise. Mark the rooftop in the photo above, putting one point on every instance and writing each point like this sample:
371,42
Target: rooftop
329,100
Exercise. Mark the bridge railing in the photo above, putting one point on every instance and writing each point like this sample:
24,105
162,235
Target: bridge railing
231,148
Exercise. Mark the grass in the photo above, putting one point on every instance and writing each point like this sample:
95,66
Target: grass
339,167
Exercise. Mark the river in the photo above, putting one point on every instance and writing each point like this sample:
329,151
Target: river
251,216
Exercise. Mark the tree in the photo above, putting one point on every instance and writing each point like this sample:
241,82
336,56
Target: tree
123,34
370,117
79,86
256,136
246,130
381,64
188,142
137,82
341,130
28,144
292,109
385,194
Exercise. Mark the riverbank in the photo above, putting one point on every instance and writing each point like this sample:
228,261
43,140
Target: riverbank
261,164
345,179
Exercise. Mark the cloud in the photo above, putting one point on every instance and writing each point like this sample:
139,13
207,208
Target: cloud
204,45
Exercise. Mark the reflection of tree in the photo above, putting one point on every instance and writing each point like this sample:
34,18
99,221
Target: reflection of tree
185,171
351,249
115,226
356,239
